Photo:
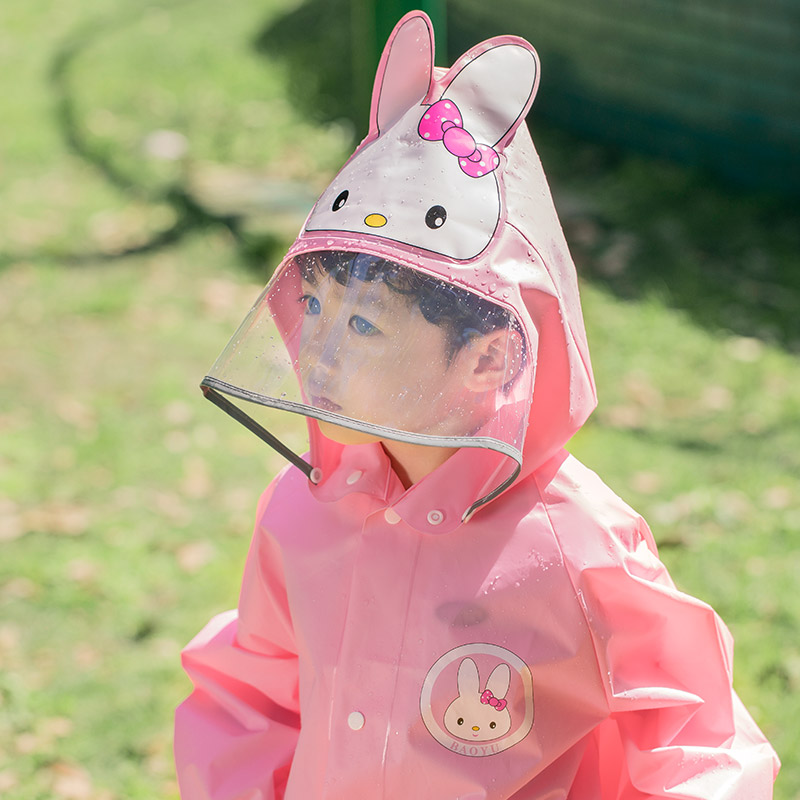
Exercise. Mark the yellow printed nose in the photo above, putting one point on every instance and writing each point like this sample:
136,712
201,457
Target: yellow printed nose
475,728
375,220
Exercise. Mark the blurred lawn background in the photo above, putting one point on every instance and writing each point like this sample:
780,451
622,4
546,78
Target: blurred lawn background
154,163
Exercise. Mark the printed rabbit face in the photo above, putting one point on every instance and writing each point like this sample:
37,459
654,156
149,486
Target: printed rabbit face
430,173
476,715
413,199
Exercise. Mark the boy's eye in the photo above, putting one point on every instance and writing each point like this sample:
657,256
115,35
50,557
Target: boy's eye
313,306
362,326
340,200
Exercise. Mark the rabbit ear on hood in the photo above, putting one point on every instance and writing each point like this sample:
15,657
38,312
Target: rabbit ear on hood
404,72
493,85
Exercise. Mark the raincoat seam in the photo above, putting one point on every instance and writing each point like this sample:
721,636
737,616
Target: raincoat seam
578,595
586,366
399,662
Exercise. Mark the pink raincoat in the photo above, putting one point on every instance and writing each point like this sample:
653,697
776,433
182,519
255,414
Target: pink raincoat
481,634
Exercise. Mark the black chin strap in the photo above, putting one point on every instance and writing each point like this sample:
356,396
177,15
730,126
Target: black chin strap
234,411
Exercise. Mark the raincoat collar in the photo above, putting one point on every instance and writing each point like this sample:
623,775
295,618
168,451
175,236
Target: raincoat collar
434,505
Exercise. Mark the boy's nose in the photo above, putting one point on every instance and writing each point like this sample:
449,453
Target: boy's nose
320,377
324,344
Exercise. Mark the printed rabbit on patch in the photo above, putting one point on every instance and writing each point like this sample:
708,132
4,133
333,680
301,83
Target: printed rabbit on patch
480,715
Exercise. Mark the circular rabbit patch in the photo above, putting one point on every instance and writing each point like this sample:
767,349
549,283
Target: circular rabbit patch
477,700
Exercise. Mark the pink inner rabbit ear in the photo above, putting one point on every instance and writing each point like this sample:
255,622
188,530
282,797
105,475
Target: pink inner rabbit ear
469,682
404,72
494,87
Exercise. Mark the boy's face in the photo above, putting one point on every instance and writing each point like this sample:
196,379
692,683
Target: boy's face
368,353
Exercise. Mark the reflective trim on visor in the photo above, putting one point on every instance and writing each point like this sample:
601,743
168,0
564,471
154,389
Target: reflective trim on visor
210,386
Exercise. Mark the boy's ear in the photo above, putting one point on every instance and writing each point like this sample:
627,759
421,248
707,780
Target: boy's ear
492,359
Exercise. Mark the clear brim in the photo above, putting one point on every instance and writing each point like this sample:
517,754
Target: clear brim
385,350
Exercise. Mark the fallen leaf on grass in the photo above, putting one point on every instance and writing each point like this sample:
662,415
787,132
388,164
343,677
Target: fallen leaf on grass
777,497
76,413
81,570
56,727
642,393
86,656
8,780
646,482
16,420
205,436
623,417
62,519
30,743
717,398
176,441
194,556
196,481
220,297
165,145
745,349
239,499
116,230
679,508
158,757
63,458
9,640
19,589
71,782
226,301
11,526
733,508
173,508
178,413
164,648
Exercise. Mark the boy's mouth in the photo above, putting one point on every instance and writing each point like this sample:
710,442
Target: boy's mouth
324,404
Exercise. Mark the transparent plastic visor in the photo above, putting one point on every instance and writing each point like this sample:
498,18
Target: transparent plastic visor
374,349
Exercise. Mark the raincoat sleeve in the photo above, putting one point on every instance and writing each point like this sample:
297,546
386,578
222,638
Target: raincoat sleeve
235,735
677,730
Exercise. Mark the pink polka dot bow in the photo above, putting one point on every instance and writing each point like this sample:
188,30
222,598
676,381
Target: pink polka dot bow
487,698
442,122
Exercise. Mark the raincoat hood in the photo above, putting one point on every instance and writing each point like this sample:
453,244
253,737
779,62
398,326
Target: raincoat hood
447,184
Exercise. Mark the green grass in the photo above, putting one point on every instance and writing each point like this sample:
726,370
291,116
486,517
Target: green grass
126,499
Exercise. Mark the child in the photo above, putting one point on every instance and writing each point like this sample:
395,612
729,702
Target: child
441,602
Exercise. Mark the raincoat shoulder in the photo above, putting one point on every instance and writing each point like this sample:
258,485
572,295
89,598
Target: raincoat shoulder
675,725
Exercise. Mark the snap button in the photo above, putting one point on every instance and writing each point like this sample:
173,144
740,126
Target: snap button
435,516
354,477
355,720
315,476
391,516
